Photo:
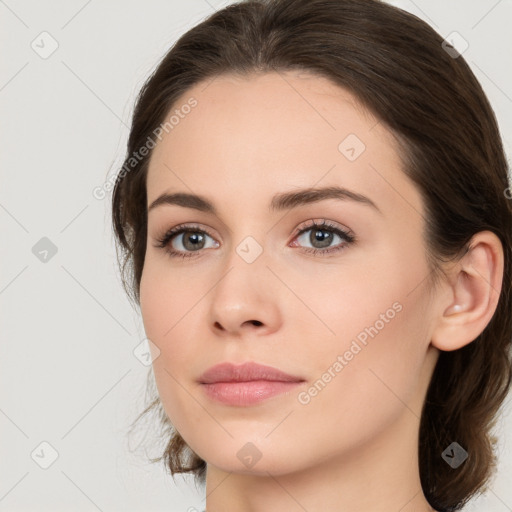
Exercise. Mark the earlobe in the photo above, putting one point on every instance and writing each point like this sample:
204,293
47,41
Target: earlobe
475,285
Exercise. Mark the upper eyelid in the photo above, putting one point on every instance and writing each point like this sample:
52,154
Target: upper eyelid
307,224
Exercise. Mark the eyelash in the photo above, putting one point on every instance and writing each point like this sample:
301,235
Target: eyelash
348,236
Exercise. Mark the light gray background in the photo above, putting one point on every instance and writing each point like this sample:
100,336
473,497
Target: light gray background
68,375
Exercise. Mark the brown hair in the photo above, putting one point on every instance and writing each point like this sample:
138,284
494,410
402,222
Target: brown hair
396,66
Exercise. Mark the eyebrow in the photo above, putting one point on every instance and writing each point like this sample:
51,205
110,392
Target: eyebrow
280,202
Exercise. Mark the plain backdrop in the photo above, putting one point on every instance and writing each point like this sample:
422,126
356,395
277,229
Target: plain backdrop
70,382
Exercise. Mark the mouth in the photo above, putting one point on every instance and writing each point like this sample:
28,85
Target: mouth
250,371
246,384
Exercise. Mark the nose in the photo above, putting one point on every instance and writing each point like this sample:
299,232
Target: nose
246,300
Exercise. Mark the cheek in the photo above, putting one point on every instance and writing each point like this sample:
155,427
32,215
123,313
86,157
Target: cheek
376,367
166,299
172,305
165,304
375,319
167,312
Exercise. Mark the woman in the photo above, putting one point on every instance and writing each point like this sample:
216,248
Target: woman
313,218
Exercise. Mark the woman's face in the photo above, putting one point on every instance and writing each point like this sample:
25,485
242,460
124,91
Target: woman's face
352,321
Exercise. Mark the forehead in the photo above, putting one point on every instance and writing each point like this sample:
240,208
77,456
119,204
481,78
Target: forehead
268,132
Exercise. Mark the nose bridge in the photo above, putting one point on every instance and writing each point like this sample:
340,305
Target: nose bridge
245,295
245,269
250,241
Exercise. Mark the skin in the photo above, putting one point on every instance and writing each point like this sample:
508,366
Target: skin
354,445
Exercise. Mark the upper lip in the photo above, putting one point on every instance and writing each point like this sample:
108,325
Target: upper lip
228,372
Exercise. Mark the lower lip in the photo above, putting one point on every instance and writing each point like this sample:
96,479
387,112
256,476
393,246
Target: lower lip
246,393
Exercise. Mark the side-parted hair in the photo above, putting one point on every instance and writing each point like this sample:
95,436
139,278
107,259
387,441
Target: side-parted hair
396,66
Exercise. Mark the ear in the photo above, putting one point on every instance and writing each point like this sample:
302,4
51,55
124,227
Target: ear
472,296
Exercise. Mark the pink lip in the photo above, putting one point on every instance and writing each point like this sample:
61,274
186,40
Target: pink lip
246,384
228,372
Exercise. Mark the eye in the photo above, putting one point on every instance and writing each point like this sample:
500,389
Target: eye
184,241
187,241
321,235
